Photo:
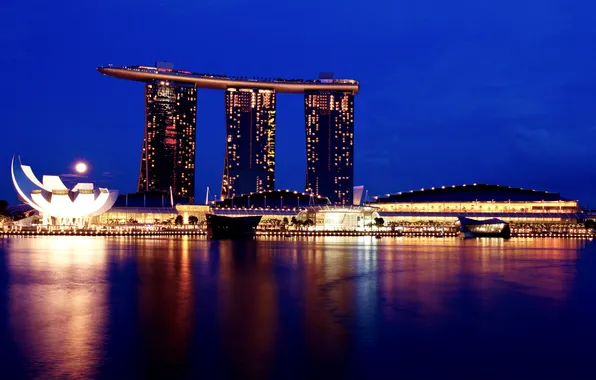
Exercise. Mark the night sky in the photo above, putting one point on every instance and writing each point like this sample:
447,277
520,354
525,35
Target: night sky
452,92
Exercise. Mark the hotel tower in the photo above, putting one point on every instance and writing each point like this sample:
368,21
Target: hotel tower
329,120
168,154
249,163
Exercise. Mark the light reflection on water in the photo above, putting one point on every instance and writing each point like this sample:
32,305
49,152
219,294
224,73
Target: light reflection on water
57,303
337,307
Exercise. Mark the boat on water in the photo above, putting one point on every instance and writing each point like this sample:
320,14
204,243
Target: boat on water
472,228
226,227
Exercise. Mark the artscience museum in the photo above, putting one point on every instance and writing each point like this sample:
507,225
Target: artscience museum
56,203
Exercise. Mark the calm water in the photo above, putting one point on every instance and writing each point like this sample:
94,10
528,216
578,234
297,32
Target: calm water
124,308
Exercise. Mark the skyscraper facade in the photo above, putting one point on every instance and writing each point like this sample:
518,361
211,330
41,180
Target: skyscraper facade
249,163
329,122
168,155
250,103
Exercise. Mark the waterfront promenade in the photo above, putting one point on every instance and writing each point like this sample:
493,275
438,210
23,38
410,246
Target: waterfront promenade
577,233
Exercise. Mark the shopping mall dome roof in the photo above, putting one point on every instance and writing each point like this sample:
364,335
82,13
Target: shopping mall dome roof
471,193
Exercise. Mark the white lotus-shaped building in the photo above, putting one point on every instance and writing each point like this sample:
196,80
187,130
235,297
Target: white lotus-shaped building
55,202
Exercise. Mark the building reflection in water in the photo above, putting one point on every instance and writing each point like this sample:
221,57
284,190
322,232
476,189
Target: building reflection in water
271,293
329,288
166,306
367,304
57,304
297,308
248,308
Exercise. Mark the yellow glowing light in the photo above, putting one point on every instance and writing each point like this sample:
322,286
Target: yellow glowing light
81,167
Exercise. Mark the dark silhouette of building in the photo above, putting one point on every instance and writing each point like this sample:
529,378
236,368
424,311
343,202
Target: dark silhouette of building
249,164
168,155
329,119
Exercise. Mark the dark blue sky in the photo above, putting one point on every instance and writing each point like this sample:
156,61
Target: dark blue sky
451,92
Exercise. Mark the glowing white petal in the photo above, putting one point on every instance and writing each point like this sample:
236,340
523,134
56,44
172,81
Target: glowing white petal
53,199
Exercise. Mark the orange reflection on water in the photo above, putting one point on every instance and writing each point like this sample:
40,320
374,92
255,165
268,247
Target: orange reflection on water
248,306
542,267
165,302
328,299
325,295
57,300
422,276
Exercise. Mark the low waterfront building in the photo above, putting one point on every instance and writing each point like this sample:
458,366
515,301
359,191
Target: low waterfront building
479,201
339,218
426,212
136,215
277,207
191,214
